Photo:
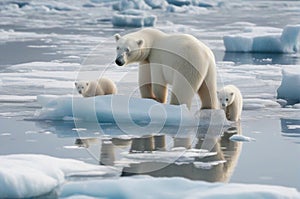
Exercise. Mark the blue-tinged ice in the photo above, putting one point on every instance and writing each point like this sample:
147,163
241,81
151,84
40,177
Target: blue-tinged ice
133,18
131,4
265,40
289,89
29,175
119,109
156,4
173,188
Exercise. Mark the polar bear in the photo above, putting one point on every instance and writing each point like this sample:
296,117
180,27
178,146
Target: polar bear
102,86
231,101
176,59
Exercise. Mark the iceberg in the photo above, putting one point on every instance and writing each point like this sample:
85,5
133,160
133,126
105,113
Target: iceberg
133,18
265,40
289,89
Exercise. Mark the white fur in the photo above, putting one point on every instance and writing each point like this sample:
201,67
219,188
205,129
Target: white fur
231,101
177,59
103,86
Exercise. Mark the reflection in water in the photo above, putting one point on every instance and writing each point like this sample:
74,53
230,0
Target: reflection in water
290,127
195,154
185,158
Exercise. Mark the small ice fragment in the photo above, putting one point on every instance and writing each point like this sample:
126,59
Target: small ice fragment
241,138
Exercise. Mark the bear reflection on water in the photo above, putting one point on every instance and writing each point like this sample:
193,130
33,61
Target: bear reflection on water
217,166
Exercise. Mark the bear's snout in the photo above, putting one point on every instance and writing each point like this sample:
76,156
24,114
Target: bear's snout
120,61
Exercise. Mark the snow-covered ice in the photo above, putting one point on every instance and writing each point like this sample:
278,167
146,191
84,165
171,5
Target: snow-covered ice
289,89
112,109
265,40
133,18
29,175
139,187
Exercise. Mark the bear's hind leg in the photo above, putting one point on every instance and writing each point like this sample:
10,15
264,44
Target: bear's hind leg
208,94
160,92
182,92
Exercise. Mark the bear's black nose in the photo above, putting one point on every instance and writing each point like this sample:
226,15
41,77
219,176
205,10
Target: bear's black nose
119,62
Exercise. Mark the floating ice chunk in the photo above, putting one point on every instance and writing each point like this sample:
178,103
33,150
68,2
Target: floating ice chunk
176,9
24,176
282,102
289,89
290,38
296,106
156,4
131,4
133,18
112,109
141,186
265,40
241,138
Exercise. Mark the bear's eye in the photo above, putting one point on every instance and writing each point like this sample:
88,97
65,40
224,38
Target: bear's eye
127,50
118,48
226,99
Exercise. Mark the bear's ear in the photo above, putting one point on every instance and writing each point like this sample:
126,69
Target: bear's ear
117,36
140,42
75,83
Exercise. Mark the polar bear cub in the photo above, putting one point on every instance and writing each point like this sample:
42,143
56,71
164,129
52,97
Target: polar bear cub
231,101
102,86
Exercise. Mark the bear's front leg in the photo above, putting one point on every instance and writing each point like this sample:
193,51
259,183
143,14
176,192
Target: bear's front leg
145,84
159,85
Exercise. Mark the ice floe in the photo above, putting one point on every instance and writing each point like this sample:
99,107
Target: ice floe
265,40
29,175
141,186
289,89
133,18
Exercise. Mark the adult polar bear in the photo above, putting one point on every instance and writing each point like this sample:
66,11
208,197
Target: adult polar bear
177,59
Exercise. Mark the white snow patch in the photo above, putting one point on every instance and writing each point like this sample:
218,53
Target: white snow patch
139,187
17,98
256,103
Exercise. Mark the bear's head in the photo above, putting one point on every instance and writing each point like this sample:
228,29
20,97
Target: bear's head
128,49
225,98
81,86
